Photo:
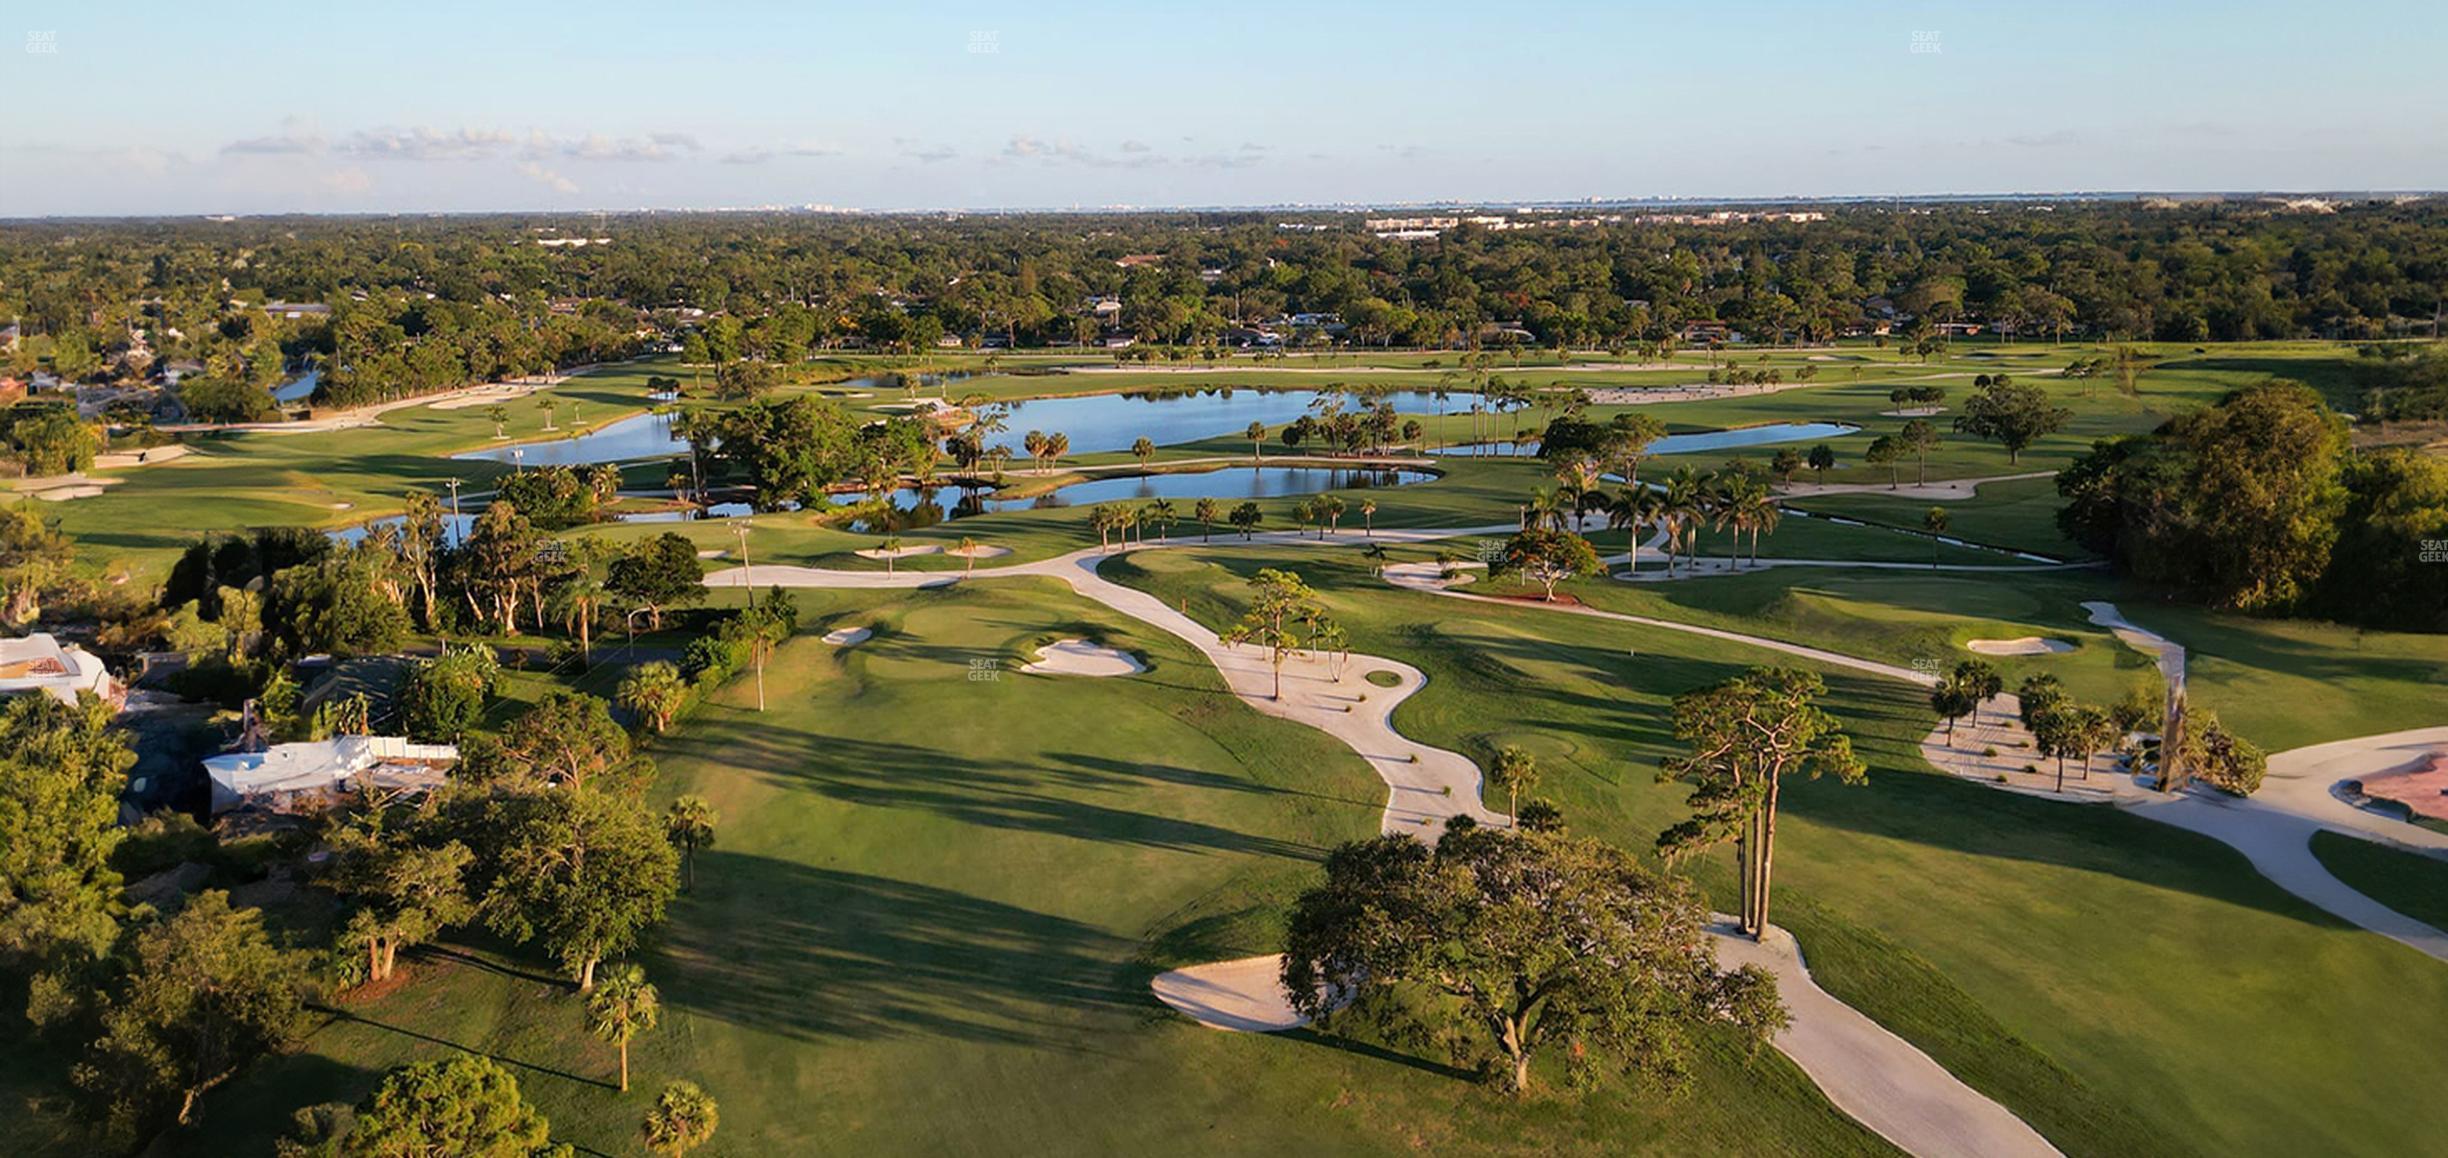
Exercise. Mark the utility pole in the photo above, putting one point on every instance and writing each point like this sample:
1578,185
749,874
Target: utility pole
740,529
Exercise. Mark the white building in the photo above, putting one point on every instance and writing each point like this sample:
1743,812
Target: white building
37,663
285,774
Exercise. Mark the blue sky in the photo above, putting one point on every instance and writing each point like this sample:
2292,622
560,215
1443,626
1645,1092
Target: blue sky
133,107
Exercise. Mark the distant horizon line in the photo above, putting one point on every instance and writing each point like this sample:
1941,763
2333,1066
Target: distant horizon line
1515,204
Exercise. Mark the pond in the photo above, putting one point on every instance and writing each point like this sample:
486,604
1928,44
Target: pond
1095,423
1098,423
1706,440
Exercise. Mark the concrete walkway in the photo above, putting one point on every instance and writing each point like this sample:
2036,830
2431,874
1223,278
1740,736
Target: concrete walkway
1879,1079
1870,1073
1944,490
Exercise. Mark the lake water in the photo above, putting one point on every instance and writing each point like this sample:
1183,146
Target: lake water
1095,423
1706,440
1098,423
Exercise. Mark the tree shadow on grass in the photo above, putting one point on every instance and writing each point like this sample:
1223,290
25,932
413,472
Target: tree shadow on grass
1376,1052
817,953
1035,798
343,1015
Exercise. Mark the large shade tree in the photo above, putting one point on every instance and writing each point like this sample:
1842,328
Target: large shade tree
1509,945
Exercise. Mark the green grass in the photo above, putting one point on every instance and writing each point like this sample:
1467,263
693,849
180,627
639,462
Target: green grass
2111,1035
336,478
2286,683
934,908
2408,882
2019,515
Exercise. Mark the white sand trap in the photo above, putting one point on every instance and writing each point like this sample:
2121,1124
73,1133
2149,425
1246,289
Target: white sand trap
1081,658
712,553
63,494
898,553
2028,645
981,551
1914,411
848,636
1244,996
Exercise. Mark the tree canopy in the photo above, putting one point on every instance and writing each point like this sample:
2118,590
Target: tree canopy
1510,945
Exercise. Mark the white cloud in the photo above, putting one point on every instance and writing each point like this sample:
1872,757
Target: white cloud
547,178
759,154
423,144
1135,155
278,144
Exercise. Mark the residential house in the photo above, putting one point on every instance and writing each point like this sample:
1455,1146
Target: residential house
40,663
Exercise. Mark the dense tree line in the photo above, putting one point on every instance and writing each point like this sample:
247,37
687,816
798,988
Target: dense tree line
2261,504
417,304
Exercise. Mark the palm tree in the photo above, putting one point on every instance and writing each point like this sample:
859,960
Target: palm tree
579,598
499,415
1143,450
890,549
653,690
1330,508
690,826
1546,508
1514,770
1057,445
1684,506
1935,522
1159,514
1207,511
1635,510
623,1006
1035,444
604,480
1101,520
683,1118
546,405
1257,436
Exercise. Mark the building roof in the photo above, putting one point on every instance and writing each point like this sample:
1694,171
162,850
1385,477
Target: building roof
287,770
39,663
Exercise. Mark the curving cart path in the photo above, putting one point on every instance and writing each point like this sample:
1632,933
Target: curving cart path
1879,1079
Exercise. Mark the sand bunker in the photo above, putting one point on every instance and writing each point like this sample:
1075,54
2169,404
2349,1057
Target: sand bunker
898,552
848,636
712,553
2028,645
981,551
1914,411
496,392
1245,996
63,494
1081,658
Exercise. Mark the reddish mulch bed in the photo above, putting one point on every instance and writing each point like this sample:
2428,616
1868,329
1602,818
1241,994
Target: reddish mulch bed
2423,788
